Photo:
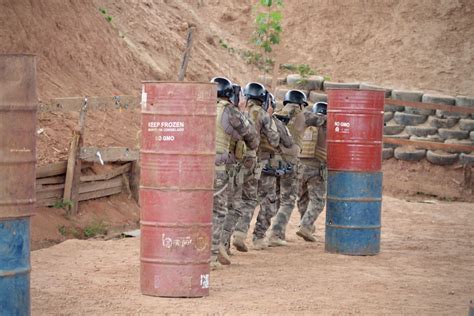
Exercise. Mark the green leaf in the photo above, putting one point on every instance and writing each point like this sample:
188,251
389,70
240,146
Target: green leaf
276,16
266,3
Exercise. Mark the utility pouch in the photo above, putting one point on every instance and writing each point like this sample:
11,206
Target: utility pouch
258,170
240,150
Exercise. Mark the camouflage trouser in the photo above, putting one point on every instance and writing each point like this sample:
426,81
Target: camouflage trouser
268,204
288,194
234,203
219,208
248,201
311,195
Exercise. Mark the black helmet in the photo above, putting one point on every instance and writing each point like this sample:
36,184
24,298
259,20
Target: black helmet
256,91
295,96
320,107
224,87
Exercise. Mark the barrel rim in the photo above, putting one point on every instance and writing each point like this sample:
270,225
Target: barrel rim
355,89
182,82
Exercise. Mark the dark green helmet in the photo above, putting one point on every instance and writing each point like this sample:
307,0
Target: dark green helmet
256,91
224,87
295,96
320,107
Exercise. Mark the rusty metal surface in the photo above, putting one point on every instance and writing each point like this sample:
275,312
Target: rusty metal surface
355,129
176,187
18,106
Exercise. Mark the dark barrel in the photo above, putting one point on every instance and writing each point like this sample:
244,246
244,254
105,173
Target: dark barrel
18,106
354,193
176,187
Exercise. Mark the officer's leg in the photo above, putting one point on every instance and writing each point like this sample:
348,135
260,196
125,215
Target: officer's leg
219,210
317,192
267,206
303,198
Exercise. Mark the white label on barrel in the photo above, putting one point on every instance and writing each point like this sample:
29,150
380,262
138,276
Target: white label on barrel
144,98
172,127
342,127
177,242
205,281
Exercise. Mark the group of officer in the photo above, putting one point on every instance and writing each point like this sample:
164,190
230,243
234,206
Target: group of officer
267,157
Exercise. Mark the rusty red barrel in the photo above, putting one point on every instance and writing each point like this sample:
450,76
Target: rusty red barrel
176,187
354,188
18,106
355,129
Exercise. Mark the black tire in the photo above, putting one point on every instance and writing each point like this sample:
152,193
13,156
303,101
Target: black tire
409,154
413,96
387,116
388,91
466,142
466,125
280,93
409,119
465,101
340,85
387,153
292,79
399,136
467,159
393,129
430,138
471,135
437,122
315,83
445,133
393,108
318,97
441,158
421,131
443,114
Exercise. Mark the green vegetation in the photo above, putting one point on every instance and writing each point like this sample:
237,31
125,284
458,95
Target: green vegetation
64,204
94,229
107,17
69,231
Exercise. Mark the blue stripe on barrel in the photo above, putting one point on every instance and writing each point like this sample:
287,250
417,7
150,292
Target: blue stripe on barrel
353,212
15,266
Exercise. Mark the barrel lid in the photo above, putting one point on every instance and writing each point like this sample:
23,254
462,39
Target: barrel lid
360,89
183,82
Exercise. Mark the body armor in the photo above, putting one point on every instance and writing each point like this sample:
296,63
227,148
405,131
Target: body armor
314,144
223,139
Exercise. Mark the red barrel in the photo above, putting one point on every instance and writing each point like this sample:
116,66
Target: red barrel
355,129
176,187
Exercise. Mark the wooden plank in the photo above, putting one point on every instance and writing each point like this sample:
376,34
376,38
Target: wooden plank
47,201
99,193
75,104
135,180
429,145
49,180
187,53
51,193
100,185
52,187
109,154
52,169
109,175
431,106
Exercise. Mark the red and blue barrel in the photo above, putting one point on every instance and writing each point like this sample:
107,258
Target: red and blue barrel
18,106
354,185
176,187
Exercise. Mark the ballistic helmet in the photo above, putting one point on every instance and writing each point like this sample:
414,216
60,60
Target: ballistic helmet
256,91
320,107
224,87
295,96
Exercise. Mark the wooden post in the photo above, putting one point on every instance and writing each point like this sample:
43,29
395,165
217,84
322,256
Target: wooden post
73,169
187,52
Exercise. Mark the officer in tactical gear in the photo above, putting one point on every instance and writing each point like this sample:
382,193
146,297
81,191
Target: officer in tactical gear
231,124
312,187
255,109
298,119
267,182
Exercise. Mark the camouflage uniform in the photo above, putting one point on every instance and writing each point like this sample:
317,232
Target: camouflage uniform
250,171
299,121
230,124
312,190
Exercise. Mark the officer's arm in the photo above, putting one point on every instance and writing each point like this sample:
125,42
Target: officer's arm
285,137
269,129
314,119
244,128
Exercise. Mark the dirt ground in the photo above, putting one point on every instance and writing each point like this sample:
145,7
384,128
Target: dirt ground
426,267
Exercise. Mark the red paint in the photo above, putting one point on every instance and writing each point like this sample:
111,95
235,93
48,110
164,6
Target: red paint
176,187
355,129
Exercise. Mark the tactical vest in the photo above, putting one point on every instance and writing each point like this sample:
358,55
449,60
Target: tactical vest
320,152
310,139
222,138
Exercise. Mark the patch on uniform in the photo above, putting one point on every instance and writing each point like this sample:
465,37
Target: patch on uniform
308,134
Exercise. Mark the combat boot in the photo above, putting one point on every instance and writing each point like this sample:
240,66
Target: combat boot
260,244
275,241
306,234
239,241
222,256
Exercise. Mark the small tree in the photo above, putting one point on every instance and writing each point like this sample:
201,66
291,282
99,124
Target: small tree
268,29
